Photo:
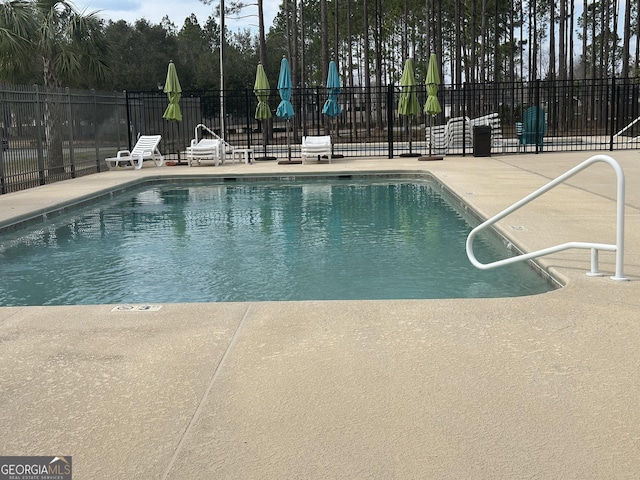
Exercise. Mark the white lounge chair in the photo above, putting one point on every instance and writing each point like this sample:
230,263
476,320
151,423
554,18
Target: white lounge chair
205,149
459,134
316,146
456,134
146,148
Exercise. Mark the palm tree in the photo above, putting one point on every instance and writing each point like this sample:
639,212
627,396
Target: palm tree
16,24
67,44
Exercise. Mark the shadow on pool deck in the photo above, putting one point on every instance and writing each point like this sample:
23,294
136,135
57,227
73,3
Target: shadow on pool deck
543,386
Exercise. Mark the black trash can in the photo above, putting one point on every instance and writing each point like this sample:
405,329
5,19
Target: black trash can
482,141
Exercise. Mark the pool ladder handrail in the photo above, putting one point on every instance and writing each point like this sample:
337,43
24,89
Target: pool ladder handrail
202,126
594,247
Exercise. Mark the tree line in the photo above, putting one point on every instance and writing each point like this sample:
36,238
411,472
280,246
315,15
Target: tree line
474,40
52,43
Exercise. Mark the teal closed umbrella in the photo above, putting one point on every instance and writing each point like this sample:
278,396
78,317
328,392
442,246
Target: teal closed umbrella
262,90
408,104
174,92
285,108
331,107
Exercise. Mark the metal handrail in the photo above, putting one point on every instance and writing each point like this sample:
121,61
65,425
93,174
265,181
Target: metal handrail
204,127
595,247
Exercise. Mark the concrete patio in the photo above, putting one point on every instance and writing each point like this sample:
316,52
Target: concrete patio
543,386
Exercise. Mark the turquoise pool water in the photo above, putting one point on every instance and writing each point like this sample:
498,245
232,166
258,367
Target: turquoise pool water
239,241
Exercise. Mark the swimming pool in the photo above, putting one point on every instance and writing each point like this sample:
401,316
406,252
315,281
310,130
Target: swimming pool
257,241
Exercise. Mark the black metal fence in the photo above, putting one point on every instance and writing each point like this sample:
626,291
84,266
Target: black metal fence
87,125
599,114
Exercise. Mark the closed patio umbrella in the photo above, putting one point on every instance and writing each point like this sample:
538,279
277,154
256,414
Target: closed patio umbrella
331,107
432,106
174,91
285,108
408,104
262,89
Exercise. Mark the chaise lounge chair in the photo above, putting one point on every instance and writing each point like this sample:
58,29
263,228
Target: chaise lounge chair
455,134
436,135
459,134
146,148
205,149
316,147
215,148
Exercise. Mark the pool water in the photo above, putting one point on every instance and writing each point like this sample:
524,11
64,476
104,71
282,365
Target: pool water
257,242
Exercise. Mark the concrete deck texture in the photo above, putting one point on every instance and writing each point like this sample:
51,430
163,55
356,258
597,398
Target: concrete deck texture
543,386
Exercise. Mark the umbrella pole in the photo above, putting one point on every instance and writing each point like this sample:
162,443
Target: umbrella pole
335,138
265,139
430,133
431,157
335,128
410,153
410,139
178,127
288,143
264,136
288,161
335,135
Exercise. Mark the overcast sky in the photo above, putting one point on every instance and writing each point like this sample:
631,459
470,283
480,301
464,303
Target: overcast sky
176,10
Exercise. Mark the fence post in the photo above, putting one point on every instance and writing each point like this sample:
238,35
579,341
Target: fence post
614,111
95,129
390,124
536,94
117,99
464,123
70,140
246,96
3,188
38,125
4,133
317,112
126,102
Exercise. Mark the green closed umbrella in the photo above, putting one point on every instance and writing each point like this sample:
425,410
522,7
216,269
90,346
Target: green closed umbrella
262,90
408,104
174,92
172,113
432,106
